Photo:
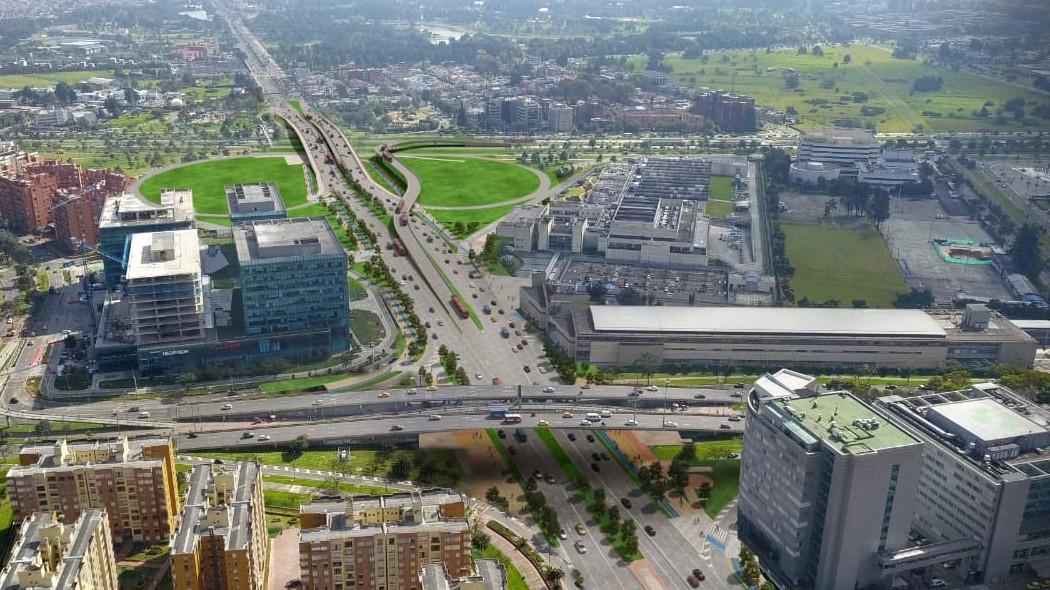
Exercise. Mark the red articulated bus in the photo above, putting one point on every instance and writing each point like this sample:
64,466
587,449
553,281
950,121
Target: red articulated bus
461,310
403,220
400,206
399,247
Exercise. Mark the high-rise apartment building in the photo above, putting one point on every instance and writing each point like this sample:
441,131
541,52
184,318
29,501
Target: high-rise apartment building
984,495
12,160
132,480
732,113
126,214
293,281
826,485
58,556
25,201
559,118
165,284
382,543
76,224
221,540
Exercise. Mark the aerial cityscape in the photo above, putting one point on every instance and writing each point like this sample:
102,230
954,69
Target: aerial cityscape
524,295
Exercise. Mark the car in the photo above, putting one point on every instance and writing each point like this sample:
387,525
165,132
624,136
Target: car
543,423
634,393
431,388
396,427
548,389
411,391
30,343
384,394
736,394
434,418
550,479
133,409
596,456
537,474
649,530
527,369
699,575
724,426
14,400
264,437
595,468
512,450
605,456
936,582
590,438
248,435
738,385
226,407
580,547
631,423
581,529
524,342
501,434
572,437
626,503
699,396
566,415
693,582
434,336
441,323
431,310
563,535
652,388
735,418
585,422
191,435
670,424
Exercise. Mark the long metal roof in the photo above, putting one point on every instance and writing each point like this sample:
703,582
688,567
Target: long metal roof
769,320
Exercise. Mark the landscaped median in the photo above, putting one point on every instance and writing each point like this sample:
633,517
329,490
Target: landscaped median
622,538
550,535
523,546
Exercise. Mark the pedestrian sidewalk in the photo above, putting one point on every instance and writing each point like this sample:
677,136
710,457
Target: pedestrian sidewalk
533,578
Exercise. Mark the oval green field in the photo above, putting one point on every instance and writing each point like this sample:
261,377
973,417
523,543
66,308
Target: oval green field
208,179
447,181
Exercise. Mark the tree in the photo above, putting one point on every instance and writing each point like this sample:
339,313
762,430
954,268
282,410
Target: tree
647,364
879,207
300,445
113,106
400,469
687,453
42,427
479,540
131,98
553,575
847,58
597,292
1025,250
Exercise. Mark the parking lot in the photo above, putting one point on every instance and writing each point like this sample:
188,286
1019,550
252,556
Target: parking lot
671,286
908,231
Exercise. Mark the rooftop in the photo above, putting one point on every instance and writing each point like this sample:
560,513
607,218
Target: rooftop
839,420
276,239
127,209
768,320
246,200
838,136
52,550
163,254
61,454
987,419
201,514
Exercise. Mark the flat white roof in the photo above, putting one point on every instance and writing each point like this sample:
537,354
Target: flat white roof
770,320
166,253
987,419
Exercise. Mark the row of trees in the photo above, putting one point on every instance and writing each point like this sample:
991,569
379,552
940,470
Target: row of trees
450,362
378,271
545,516
563,363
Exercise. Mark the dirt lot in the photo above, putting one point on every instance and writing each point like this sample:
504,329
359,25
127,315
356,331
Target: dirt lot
482,465
908,231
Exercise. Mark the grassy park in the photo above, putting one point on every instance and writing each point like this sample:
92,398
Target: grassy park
725,472
826,86
208,179
450,182
833,262
478,217
50,78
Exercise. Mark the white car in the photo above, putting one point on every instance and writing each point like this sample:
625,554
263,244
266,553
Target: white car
585,422
631,423
670,424
264,437
548,389
318,402
434,418
652,388
227,406
477,375
580,547
566,415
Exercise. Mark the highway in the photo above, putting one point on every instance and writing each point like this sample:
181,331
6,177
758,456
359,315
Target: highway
406,427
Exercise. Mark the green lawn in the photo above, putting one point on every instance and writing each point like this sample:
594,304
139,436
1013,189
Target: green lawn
448,181
832,262
134,578
718,208
515,581
318,210
298,107
299,384
724,472
363,461
284,500
316,483
208,179
887,82
19,81
479,217
366,326
356,289
721,188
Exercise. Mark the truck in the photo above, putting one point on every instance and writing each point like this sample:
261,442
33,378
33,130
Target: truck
457,305
399,247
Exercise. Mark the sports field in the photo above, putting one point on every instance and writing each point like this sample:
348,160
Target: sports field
826,87
208,179
833,262
455,182
19,81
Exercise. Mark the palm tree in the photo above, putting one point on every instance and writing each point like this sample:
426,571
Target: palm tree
553,575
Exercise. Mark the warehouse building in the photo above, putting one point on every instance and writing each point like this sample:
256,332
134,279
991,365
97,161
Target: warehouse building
826,338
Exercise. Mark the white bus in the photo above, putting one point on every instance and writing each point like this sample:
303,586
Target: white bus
512,419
